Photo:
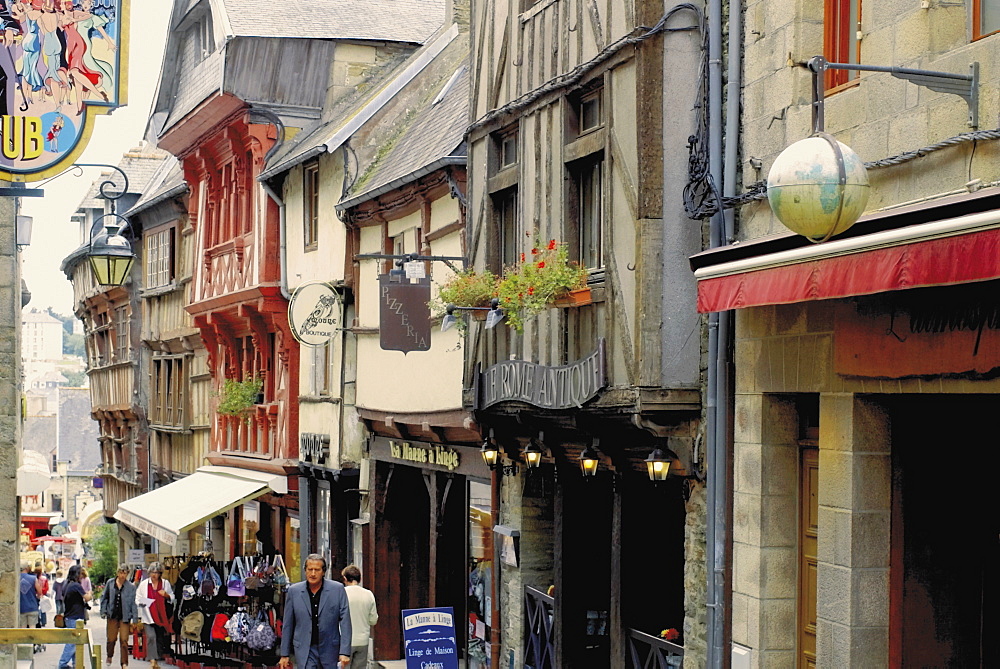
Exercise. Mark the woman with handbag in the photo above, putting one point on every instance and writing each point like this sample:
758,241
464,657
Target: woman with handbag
153,597
75,600
118,608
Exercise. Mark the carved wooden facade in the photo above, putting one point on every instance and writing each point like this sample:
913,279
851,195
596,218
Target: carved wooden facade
567,143
236,301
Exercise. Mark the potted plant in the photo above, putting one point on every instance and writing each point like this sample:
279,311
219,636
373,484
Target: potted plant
467,288
540,281
237,397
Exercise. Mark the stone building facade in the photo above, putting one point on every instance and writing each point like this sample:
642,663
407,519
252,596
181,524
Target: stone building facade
862,361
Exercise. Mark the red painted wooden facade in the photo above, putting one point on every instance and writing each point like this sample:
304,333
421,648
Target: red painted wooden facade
235,296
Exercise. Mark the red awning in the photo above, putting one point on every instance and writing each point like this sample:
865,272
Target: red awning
954,251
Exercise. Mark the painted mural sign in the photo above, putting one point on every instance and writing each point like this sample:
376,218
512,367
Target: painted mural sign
62,63
429,638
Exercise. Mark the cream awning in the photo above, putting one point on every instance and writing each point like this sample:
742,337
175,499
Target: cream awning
168,512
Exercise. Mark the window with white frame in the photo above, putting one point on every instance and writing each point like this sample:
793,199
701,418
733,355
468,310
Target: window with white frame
160,258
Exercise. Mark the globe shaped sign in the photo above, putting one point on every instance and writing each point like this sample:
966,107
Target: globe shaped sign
818,187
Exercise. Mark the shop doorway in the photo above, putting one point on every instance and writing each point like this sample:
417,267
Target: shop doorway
945,547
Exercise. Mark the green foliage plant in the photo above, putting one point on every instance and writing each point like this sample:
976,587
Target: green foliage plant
467,288
104,548
533,284
237,397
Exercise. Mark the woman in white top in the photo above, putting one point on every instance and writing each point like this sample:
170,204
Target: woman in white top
154,597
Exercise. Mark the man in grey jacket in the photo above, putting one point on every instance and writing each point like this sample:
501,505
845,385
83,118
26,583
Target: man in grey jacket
118,608
317,624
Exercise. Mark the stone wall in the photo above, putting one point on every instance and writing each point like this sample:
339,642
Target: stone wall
880,116
10,421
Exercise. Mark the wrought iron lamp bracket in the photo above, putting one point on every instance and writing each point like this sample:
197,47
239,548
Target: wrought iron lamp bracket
966,86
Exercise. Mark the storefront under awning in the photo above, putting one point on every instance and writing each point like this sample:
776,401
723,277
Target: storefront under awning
940,253
168,512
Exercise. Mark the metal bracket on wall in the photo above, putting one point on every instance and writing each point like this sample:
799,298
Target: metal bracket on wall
966,86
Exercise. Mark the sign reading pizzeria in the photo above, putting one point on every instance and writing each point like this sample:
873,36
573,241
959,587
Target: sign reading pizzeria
562,387
62,63
404,317
314,313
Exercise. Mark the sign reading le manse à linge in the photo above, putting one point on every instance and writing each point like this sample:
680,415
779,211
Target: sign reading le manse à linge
561,387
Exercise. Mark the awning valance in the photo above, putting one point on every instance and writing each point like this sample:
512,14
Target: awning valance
947,252
167,512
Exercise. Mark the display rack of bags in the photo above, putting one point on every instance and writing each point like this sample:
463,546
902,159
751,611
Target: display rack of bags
229,613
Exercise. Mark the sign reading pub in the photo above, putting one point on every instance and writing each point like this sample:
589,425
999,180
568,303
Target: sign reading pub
62,63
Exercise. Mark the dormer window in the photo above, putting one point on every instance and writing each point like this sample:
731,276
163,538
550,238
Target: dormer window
199,39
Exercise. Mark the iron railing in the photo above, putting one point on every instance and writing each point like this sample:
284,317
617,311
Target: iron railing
539,645
51,635
645,651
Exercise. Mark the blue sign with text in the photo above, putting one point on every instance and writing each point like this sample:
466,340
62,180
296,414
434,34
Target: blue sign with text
429,638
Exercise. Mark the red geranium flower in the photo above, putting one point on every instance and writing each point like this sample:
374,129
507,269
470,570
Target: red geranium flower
534,252
541,264
531,290
552,245
522,257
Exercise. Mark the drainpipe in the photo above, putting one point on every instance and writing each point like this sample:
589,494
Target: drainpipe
718,417
283,284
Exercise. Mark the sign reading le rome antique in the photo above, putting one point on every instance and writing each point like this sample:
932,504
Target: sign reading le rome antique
314,313
63,62
546,387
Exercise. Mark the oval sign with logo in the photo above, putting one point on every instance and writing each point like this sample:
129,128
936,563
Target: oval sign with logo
314,313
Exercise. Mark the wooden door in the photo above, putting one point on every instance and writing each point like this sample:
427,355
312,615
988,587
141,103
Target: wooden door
808,536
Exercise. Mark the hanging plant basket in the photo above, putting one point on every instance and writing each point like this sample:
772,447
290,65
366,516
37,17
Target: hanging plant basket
480,314
574,298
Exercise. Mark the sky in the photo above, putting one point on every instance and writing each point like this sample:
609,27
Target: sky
53,236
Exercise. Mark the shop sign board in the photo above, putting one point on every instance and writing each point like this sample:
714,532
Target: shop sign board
314,313
135,556
404,317
562,387
429,638
444,457
50,96
314,448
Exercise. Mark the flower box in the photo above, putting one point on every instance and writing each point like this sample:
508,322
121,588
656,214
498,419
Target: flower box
574,298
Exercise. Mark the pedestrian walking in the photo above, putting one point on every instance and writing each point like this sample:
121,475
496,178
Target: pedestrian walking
76,601
153,596
43,591
119,609
317,623
30,590
364,614
58,586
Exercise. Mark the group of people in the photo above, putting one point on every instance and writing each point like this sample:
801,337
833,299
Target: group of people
69,597
326,624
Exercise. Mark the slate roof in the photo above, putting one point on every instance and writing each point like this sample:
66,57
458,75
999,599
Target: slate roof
388,20
435,132
39,434
35,316
139,164
78,432
167,181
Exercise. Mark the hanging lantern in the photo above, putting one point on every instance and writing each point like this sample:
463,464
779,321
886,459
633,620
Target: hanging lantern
490,453
111,257
532,455
818,187
589,462
657,465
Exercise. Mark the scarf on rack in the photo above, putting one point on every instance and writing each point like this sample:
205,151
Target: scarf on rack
158,609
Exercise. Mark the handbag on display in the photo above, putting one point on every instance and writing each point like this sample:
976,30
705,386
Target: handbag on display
192,625
280,573
261,636
219,631
59,620
239,626
235,586
252,581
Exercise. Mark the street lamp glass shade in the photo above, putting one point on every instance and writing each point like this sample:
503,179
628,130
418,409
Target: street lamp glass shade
588,462
447,322
532,455
111,258
490,454
658,465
